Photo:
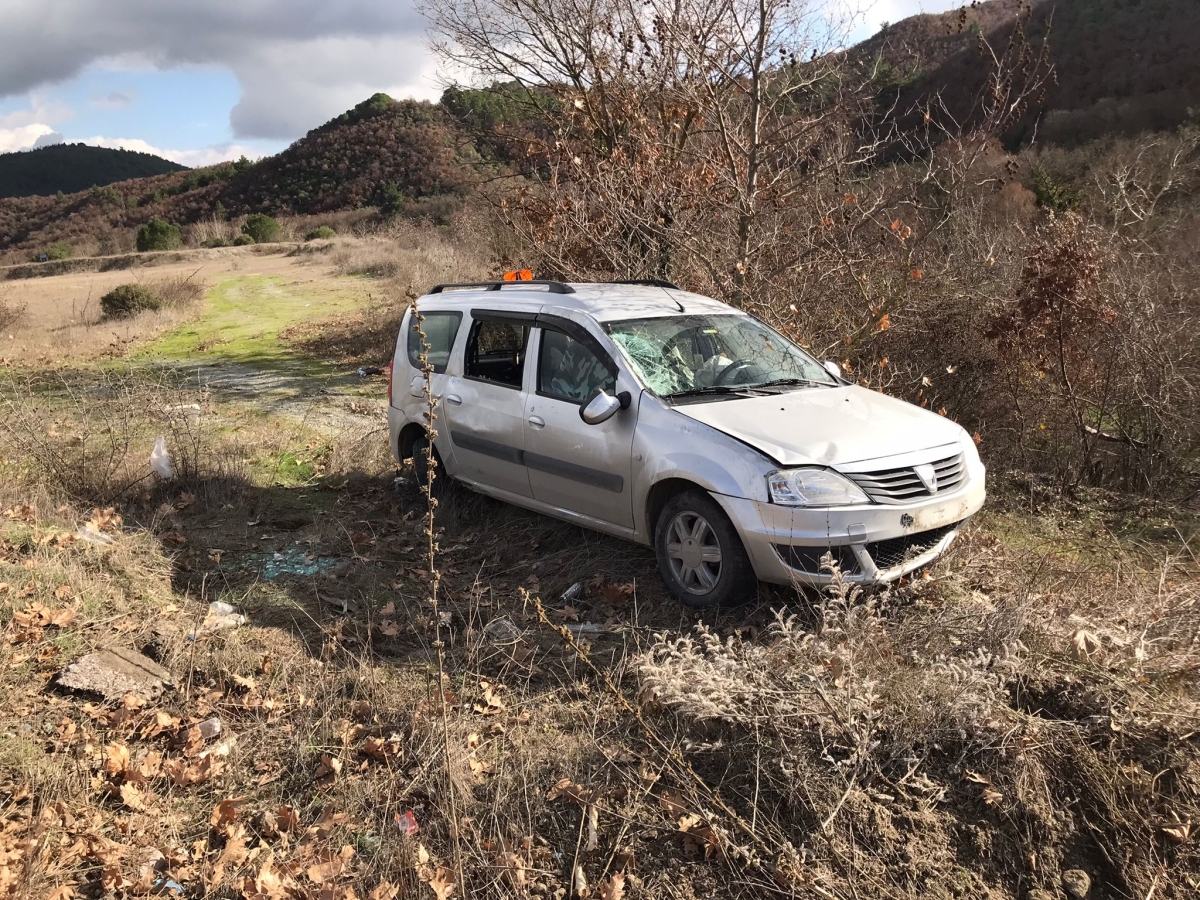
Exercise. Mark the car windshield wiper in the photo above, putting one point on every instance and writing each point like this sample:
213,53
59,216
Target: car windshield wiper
711,390
790,382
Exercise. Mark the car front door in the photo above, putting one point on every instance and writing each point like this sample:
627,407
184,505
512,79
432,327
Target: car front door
484,407
572,465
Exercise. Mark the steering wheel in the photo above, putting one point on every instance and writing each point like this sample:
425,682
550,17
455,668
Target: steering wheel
735,368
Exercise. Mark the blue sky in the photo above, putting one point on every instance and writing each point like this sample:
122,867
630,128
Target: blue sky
200,82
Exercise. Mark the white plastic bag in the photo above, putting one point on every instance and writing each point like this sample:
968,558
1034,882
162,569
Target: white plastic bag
160,460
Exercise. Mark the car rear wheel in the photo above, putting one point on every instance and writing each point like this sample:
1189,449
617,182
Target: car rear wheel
700,554
420,466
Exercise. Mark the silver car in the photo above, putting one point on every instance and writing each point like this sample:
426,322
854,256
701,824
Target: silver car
670,419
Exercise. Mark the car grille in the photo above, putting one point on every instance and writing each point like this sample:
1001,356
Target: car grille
808,559
902,485
886,554
894,551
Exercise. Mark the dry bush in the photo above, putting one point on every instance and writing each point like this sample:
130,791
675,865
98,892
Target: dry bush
88,437
178,290
412,258
12,315
877,734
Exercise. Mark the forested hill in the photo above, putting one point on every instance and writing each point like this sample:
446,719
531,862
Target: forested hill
1122,67
74,167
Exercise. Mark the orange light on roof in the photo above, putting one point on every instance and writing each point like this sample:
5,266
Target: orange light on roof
519,275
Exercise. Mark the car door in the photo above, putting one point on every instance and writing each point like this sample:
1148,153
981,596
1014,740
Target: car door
572,465
484,406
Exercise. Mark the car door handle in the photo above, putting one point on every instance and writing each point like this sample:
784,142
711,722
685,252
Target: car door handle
537,421
454,399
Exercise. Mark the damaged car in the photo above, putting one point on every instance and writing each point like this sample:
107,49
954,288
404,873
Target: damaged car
671,419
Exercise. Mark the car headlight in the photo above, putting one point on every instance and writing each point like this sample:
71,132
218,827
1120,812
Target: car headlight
813,487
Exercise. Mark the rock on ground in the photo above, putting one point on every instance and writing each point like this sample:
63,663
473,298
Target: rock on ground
116,672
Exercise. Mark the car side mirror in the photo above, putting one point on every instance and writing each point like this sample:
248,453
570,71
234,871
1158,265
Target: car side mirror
600,407
832,368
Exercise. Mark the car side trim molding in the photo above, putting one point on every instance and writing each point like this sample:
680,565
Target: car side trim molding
488,447
606,481
597,478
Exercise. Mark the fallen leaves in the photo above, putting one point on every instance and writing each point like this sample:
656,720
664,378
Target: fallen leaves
612,888
1085,643
492,702
989,794
27,625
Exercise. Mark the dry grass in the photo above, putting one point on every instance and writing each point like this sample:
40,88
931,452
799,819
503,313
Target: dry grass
1026,711
408,261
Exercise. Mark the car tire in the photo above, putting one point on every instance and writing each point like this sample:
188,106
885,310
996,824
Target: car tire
420,467
700,554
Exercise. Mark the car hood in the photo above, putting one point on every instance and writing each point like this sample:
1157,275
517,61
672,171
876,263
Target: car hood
825,426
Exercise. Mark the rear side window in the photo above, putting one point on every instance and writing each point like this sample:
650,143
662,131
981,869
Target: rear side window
496,352
440,330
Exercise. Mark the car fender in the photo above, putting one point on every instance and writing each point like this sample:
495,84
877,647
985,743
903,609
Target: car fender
669,445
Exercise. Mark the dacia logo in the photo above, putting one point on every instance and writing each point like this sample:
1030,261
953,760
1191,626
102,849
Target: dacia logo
928,475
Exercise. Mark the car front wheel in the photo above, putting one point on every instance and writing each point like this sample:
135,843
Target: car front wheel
700,554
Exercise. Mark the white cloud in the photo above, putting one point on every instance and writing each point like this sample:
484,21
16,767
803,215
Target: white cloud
48,140
22,137
204,156
299,62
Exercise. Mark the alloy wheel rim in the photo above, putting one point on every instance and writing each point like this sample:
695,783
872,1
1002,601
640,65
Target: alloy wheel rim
693,553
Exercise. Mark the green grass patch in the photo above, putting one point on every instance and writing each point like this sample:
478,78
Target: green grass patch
242,321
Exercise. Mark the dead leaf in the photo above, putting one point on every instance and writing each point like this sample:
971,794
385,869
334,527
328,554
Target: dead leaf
329,866
132,797
442,884
225,813
329,765
492,703
105,520
1085,643
612,888
385,890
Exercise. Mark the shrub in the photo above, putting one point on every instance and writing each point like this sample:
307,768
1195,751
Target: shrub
242,240
128,300
59,250
214,242
261,228
158,235
320,233
11,314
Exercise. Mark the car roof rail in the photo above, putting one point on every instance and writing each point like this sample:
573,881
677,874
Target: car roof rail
554,287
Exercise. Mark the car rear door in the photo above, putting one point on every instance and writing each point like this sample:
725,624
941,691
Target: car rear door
484,406
572,465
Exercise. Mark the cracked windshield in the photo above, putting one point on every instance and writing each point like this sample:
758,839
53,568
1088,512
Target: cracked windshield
681,355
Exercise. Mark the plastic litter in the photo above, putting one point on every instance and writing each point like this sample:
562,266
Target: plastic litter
367,371
160,460
501,630
574,592
90,535
210,728
406,822
167,884
220,615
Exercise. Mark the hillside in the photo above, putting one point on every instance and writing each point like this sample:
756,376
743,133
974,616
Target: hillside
1122,66
404,155
74,167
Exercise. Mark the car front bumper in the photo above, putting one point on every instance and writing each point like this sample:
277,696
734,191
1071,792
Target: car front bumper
872,543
